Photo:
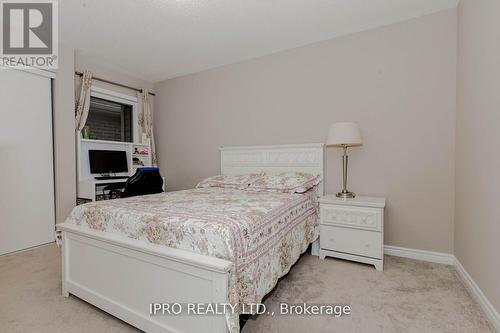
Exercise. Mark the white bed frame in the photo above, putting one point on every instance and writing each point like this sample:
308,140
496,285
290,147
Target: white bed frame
124,276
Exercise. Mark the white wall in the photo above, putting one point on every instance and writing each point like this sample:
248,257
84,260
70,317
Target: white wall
64,137
477,210
397,81
100,71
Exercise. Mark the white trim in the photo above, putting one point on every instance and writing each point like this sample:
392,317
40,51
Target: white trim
300,145
27,249
125,143
430,256
38,71
117,97
479,296
113,94
32,70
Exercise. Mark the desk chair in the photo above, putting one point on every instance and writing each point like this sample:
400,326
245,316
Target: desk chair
144,181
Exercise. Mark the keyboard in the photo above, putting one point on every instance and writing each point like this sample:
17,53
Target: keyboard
110,177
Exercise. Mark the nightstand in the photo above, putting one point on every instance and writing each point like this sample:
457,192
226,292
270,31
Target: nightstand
352,229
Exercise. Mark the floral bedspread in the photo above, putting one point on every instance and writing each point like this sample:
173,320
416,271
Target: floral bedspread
262,233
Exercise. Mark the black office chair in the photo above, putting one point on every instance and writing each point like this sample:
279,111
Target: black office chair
144,181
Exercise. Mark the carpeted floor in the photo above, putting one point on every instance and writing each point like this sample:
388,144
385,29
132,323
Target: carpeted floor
409,296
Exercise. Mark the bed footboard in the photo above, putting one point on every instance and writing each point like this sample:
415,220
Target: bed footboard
124,277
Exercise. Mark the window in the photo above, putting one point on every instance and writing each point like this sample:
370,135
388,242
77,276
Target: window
109,120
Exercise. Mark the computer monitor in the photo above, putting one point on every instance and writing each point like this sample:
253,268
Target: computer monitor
108,161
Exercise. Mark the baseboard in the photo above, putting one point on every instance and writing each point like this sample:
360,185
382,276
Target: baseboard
26,249
479,296
436,257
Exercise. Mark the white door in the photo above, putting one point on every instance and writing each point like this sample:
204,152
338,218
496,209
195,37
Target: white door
27,216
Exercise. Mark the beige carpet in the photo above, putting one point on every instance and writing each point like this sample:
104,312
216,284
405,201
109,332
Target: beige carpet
409,296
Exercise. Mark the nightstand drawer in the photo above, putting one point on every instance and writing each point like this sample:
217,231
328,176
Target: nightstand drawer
353,241
353,217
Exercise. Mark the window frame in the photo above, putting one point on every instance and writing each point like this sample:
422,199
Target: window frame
117,97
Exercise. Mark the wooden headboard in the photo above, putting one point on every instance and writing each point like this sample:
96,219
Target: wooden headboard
273,159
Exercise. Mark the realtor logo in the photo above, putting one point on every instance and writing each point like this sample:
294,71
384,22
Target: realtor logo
29,34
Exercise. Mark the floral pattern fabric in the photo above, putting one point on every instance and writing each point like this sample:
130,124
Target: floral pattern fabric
145,121
83,103
230,181
286,182
262,234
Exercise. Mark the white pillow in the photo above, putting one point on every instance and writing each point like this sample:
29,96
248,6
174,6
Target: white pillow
286,182
229,181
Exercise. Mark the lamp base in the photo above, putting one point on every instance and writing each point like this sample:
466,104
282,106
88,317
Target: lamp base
346,195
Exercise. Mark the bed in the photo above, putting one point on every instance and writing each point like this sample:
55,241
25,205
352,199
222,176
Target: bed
117,258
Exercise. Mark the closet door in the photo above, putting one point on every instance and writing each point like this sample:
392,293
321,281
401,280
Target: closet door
27,216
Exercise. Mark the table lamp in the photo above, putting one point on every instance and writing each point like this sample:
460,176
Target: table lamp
344,135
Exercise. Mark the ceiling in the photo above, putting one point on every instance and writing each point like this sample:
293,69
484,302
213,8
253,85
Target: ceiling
159,39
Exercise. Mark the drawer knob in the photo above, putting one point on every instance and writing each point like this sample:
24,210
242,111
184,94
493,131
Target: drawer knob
367,246
332,239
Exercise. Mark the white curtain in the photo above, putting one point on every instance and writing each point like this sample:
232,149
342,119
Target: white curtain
83,104
146,121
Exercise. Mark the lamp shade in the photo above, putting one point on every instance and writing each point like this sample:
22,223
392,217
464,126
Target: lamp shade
344,135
